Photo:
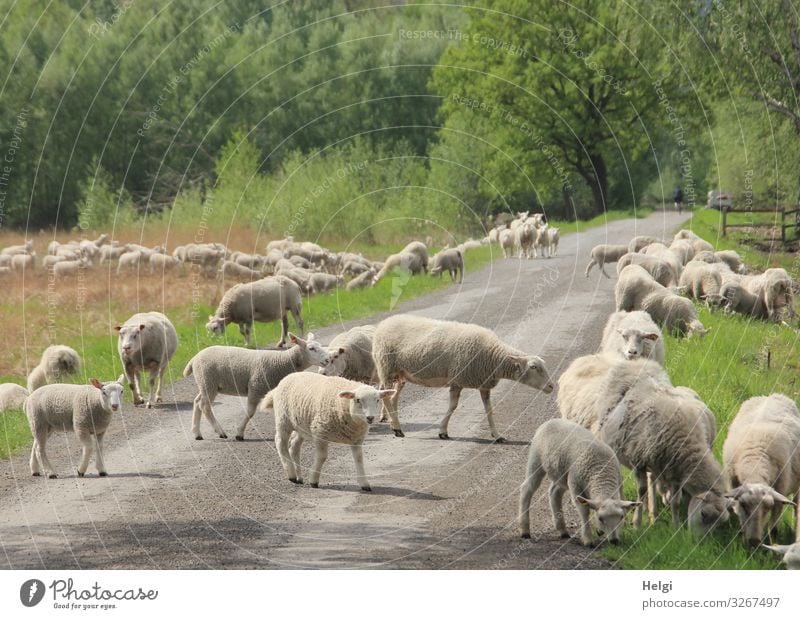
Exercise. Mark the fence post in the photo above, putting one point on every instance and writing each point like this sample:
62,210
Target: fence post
783,224
724,219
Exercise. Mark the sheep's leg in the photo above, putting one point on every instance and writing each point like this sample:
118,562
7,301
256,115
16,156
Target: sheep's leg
675,499
602,270
557,510
99,460
641,487
455,393
298,319
361,476
160,377
295,443
41,453
88,447
252,405
586,529
320,455
589,266
197,411
390,406
151,395
532,482
208,411
652,499
133,381
487,406
247,332
34,462
460,273
282,443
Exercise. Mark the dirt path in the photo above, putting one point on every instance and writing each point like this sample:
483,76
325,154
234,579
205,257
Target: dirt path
173,502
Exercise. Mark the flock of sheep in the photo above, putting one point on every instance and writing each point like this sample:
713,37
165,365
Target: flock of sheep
618,406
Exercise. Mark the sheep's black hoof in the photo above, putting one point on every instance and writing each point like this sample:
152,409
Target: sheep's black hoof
398,433
295,481
103,474
198,438
444,436
80,474
366,488
53,476
564,535
239,438
314,484
500,439
36,474
526,536
223,436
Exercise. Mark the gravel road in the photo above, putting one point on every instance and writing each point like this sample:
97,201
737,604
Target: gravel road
171,502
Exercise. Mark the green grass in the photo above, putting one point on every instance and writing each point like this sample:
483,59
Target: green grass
568,227
14,432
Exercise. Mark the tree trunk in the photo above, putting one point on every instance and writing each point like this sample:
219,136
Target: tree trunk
597,179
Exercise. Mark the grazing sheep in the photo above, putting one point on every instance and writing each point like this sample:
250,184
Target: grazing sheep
740,300
84,409
265,300
23,262
675,313
280,244
685,234
507,242
450,260
205,257
301,262
701,245
354,268
350,356
638,243
633,285
660,270
324,282
12,396
662,251
245,373
129,260
683,250
733,260
773,288
404,261
234,270
633,335
301,277
653,429
363,280
323,410
438,353
701,280
790,554
418,248
251,261
18,250
706,256
146,341
70,268
57,363
163,263
573,459
761,456
110,253
605,254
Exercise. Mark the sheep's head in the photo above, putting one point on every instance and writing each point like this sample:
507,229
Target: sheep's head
790,554
364,401
696,328
334,364
216,325
753,505
130,339
637,343
531,371
610,515
111,393
707,510
314,352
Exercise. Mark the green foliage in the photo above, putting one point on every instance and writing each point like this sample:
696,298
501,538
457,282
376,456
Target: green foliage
15,433
100,205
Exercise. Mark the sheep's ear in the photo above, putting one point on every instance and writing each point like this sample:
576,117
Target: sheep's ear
347,395
629,505
781,499
117,328
734,494
386,393
340,351
121,379
96,383
293,338
584,501
651,336
141,327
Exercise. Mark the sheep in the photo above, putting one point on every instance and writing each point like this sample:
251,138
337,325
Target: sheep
683,250
206,258
49,260
12,396
638,243
110,253
438,353
146,341
69,268
280,244
708,257
773,288
524,237
404,261
57,363
17,250
350,356
301,262
351,267
699,245
701,280
251,261
733,260
761,457
541,242
685,234
653,429
676,314
5,261
246,373
23,262
470,244
5,271
507,242
790,554
633,285
660,270
323,410
603,254
363,280
162,263
129,260
324,282
299,276
737,298
418,248
450,260
494,235
265,300
662,251
633,335
573,459
85,409
553,237
234,270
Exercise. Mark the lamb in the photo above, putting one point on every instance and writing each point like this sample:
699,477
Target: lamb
405,261
146,341
18,250
450,260
553,237
265,300
69,268
633,335
638,243
541,242
363,280
56,364
85,409
323,410
573,459
675,313
438,353
324,282
761,456
350,356
12,396
605,254
653,429
234,270
733,260
246,373
129,260
773,288
23,262
524,237
660,270
790,554
507,242
110,253
163,263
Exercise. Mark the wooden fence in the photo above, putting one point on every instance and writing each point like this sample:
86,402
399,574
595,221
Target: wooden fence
789,218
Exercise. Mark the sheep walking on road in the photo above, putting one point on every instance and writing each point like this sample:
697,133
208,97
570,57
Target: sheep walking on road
12,396
57,363
605,254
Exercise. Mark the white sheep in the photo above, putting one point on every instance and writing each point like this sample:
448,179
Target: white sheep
162,263
251,374
733,260
323,410
56,364
553,238
16,250
363,280
70,268
633,285
418,248
233,270
12,396
129,260
450,260
146,341
675,313
265,300
662,251
525,236
573,459
660,270
23,262
605,254
324,282
85,409
633,335
761,455
790,554
110,253
507,239
439,353
773,288
683,250
350,356
541,242
638,243
407,262
701,280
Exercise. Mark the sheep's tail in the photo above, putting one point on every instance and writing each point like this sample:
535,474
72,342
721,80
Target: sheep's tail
187,371
267,402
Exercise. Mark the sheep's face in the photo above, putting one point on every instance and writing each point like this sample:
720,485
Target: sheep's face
365,400
315,352
637,343
753,505
130,339
533,373
706,511
215,325
610,515
111,394
696,329
790,553
334,364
